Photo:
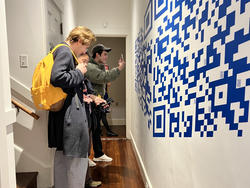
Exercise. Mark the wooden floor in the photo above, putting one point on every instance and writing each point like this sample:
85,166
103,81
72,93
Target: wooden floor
123,171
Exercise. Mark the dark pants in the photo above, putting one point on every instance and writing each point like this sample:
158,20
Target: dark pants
96,133
104,121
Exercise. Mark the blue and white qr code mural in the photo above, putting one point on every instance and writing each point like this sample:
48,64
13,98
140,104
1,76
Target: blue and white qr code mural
192,67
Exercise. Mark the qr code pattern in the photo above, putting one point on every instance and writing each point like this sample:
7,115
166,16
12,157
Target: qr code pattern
192,67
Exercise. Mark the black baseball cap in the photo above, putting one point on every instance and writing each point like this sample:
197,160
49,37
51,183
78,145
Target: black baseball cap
100,47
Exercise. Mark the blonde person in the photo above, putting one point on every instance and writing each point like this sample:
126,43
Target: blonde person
68,128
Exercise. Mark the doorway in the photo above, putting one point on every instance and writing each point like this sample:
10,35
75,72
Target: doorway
117,117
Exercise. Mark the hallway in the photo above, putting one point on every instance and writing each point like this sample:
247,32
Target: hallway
123,171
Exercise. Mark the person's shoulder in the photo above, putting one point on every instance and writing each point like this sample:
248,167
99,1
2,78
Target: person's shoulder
92,64
62,49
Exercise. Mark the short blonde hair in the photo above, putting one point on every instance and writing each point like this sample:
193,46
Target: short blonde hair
81,33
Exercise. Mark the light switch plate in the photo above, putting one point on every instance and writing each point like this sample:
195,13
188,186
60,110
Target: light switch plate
23,60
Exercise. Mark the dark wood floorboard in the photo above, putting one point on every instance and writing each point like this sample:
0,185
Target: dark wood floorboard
123,171
119,129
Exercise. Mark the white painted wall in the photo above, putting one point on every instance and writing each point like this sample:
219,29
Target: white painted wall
218,162
110,18
7,114
69,16
26,27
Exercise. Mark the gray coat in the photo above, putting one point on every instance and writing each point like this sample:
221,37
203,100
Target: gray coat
68,128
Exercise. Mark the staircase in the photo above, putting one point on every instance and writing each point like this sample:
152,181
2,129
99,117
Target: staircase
26,179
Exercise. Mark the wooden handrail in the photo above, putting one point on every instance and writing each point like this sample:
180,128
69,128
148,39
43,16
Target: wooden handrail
18,105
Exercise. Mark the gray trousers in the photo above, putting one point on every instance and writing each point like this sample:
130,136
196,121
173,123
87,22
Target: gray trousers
69,172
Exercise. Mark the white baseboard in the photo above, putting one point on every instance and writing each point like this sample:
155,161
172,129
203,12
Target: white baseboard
143,171
116,121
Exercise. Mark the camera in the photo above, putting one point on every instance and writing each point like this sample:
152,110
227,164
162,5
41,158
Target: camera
104,107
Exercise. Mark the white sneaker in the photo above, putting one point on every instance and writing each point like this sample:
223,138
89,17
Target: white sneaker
91,163
104,158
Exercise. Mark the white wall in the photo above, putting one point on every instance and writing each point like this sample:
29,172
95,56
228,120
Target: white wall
95,14
7,114
69,16
221,161
110,18
26,27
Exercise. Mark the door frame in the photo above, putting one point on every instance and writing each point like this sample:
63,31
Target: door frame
128,81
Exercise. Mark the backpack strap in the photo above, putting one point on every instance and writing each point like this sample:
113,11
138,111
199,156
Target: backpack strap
57,46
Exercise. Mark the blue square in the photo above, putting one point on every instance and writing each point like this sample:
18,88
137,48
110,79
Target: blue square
220,95
196,36
240,133
148,19
186,91
202,133
160,6
200,3
206,92
248,82
226,74
217,3
213,13
209,22
179,134
159,118
197,11
172,50
205,128
158,121
193,55
207,79
210,134
160,2
215,127
200,88
216,24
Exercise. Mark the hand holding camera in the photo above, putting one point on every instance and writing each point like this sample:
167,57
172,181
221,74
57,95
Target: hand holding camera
104,107
121,63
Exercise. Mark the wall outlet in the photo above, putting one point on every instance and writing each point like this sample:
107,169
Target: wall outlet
23,60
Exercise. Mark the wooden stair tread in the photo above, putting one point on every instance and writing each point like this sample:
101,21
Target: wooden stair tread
26,179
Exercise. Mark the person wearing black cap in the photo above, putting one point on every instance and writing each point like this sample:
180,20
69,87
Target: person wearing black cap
99,77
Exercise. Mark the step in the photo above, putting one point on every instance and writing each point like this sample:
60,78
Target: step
26,179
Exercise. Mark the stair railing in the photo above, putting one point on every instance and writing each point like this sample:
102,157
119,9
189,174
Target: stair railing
20,106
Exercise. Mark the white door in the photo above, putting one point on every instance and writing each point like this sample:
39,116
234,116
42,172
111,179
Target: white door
54,25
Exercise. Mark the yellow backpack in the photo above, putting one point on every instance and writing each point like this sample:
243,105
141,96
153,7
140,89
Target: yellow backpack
45,96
